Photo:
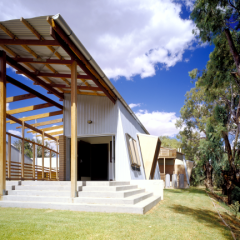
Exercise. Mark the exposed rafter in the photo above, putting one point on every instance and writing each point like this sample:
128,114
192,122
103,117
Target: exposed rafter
53,133
19,121
29,108
73,53
20,97
30,90
44,61
29,42
45,123
48,129
79,87
43,115
59,75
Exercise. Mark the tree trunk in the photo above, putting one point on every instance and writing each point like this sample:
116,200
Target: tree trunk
208,182
233,50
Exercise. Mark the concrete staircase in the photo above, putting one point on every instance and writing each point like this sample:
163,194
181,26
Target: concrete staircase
93,196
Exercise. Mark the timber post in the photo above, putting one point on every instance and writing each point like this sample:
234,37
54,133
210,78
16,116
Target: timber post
2,123
22,155
74,129
42,155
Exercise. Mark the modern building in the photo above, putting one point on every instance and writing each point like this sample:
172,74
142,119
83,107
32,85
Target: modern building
100,141
172,161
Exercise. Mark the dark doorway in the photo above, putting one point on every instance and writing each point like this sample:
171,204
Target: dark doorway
99,162
84,160
92,161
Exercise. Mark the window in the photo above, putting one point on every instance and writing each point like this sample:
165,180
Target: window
133,151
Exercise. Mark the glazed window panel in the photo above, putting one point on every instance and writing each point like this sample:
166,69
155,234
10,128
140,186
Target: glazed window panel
133,151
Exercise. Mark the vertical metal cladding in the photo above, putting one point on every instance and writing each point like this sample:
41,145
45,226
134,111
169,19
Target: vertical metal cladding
132,127
100,110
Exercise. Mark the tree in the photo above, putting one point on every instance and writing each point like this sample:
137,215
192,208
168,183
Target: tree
28,148
168,142
193,118
218,18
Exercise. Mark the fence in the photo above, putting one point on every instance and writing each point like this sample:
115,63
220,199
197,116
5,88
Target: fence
24,168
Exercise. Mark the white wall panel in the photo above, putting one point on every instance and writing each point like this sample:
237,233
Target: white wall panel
132,127
100,110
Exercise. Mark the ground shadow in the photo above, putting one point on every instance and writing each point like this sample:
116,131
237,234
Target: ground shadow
207,217
192,190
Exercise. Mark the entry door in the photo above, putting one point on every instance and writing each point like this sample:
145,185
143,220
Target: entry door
99,162
84,160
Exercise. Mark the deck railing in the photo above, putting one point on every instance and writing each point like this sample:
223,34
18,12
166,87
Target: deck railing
30,171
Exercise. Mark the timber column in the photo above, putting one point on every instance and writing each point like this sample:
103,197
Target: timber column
2,123
74,129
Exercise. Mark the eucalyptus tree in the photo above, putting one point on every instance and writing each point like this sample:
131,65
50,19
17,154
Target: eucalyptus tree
217,18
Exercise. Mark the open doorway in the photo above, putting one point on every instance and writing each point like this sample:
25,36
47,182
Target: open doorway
94,159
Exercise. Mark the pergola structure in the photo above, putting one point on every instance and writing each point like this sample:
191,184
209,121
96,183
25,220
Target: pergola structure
40,49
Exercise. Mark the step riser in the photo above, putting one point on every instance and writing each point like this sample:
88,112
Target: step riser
106,183
151,205
137,200
110,194
109,188
85,208
40,193
37,199
46,188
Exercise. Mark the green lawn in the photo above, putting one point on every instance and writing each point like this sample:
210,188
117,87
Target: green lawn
184,214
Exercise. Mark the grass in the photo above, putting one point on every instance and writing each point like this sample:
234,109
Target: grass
183,214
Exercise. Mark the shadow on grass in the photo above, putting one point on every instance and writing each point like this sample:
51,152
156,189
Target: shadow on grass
193,190
208,218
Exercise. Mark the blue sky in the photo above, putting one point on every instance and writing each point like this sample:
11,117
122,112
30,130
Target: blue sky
146,50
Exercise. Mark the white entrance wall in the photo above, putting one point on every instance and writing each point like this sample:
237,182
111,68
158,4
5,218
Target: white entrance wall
107,119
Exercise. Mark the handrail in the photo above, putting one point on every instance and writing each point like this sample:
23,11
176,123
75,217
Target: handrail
40,145
25,168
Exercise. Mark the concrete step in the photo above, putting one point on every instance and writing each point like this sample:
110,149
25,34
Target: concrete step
139,208
108,188
120,194
11,183
106,183
51,183
40,193
129,200
44,187
27,198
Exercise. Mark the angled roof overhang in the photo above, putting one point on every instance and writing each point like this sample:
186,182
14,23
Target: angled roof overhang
43,48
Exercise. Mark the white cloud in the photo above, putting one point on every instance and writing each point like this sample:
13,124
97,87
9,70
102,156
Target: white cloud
159,123
7,106
126,38
133,105
15,132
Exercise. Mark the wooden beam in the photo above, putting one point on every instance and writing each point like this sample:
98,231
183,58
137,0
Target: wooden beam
74,130
48,139
45,123
32,76
53,133
72,53
30,90
59,75
47,129
2,123
79,87
29,42
28,126
44,61
20,97
88,93
30,108
43,115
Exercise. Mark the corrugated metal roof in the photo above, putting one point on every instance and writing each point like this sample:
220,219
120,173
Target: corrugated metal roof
41,25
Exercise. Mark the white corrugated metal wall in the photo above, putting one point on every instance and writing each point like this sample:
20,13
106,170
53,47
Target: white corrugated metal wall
108,119
100,110
132,127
